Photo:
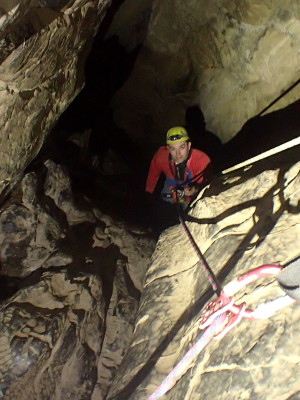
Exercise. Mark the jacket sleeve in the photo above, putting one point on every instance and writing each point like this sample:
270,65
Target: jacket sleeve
153,174
202,168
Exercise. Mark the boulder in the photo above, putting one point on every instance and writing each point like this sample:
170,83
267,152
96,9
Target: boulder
58,187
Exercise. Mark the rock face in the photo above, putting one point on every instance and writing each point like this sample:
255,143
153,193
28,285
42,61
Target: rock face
246,219
33,234
119,324
43,47
76,331
65,332
51,336
225,56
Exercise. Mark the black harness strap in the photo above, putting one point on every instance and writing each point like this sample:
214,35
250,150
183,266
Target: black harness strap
175,173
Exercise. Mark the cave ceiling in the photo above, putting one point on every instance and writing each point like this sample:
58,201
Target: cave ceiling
231,58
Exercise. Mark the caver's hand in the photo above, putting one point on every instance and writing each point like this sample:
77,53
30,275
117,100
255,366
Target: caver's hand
190,191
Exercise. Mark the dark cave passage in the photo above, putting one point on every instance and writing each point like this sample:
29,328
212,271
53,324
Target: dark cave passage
104,162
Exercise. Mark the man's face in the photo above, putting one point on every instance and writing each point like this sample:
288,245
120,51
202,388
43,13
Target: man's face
179,151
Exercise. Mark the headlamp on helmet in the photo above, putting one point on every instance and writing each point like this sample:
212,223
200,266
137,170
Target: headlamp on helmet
177,134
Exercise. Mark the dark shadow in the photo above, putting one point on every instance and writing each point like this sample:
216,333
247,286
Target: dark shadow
201,138
108,66
89,120
262,133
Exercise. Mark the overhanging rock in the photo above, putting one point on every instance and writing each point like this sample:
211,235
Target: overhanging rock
43,47
228,57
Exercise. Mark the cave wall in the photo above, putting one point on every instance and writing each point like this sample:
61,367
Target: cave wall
232,58
43,48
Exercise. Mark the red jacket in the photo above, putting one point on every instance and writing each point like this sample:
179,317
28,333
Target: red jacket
197,162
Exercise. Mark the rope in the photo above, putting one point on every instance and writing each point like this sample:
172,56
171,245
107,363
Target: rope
220,320
279,97
275,150
266,154
202,261
219,327
209,272
187,359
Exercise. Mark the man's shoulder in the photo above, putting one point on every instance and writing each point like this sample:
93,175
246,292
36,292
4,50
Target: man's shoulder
162,152
163,149
195,153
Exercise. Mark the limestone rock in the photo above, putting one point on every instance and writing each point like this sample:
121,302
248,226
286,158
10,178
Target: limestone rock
246,219
32,235
51,335
131,22
43,47
100,238
225,56
67,339
134,245
58,187
120,321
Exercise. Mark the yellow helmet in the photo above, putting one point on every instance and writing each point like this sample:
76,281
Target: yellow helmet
177,134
